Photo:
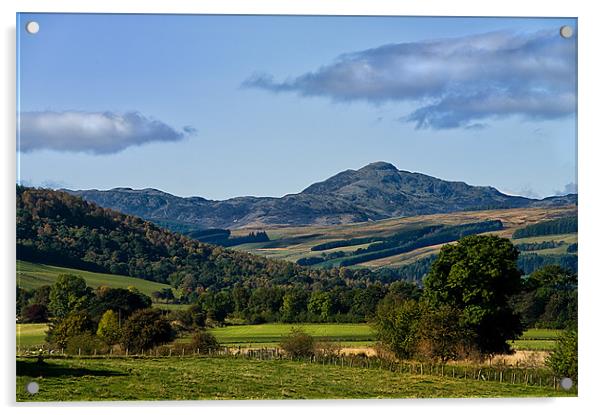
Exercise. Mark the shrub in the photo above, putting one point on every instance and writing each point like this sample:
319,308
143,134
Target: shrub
86,343
410,329
441,335
144,330
204,342
563,361
298,343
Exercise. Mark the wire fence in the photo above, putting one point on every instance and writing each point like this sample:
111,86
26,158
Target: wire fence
528,376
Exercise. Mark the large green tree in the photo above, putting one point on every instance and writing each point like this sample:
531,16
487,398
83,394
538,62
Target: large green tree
69,293
477,276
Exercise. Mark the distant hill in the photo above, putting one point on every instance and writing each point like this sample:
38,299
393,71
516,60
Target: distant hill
376,191
59,229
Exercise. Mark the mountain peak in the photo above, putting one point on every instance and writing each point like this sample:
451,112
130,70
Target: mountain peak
376,191
379,165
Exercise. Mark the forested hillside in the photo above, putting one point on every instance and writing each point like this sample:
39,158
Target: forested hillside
56,228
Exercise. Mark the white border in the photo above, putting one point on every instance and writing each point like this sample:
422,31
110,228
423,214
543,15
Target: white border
590,231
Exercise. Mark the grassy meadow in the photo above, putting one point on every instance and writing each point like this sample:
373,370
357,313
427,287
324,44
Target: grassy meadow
194,378
31,275
31,336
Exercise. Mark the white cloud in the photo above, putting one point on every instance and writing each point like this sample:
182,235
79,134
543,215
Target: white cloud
92,132
454,82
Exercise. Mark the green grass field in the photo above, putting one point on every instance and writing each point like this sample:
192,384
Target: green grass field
195,378
269,335
272,333
541,334
543,345
537,339
30,275
31,335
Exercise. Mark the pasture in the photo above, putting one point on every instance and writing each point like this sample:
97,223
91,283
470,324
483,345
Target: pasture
293,243
31,275
272,333
195,378
31,335
358,335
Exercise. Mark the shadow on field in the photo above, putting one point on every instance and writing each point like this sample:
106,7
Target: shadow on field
36,369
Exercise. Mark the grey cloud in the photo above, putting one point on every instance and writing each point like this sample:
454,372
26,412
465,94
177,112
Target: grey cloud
92,132
454,82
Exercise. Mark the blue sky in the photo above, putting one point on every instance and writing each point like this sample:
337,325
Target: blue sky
224,106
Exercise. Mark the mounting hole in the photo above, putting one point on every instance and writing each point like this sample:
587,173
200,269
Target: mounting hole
33,387
566,32
32,27
566,383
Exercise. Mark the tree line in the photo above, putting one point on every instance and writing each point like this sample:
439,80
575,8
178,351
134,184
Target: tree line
405,241
550,227
83,320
